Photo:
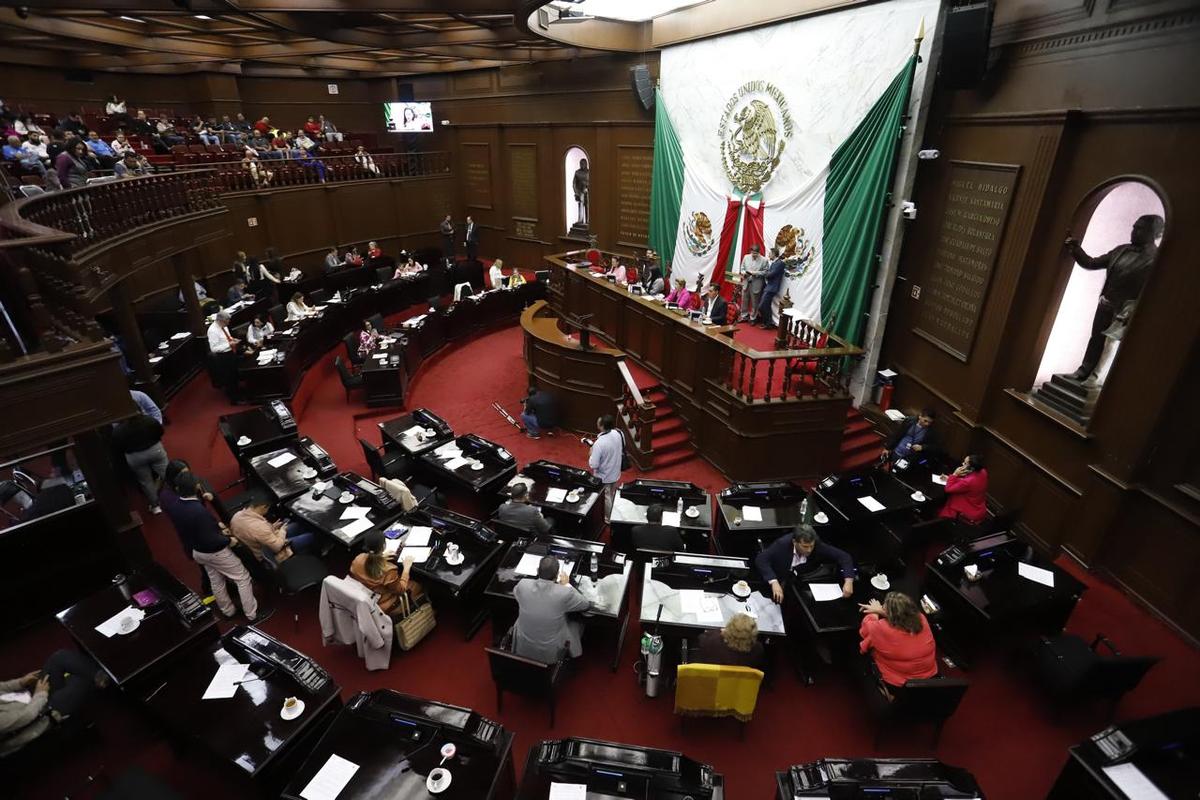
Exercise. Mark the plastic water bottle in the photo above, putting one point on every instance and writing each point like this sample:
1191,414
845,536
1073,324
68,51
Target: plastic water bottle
679,506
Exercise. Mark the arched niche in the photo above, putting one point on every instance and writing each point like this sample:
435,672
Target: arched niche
576,213
1106,281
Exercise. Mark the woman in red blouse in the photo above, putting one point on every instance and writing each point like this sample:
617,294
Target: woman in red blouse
898,639
966,492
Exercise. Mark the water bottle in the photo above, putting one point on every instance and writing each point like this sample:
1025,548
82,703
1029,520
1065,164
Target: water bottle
679,507
595,563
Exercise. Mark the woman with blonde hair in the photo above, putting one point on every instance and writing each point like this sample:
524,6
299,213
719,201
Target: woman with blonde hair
897,637
735,645
379,573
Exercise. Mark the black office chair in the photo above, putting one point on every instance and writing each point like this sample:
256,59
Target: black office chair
301,572
384,274
351,342
931,700
389,466
240,331
1072,671
508,532
278,315
350,380
524,676
376,321
318,297
10,491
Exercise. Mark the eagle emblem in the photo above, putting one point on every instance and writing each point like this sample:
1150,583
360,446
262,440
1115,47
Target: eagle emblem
698,234
752,147
795,249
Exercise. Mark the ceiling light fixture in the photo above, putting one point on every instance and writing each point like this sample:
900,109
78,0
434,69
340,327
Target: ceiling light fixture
629,10
132,19
203,16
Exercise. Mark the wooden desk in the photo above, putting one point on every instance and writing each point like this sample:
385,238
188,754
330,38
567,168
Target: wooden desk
582,519
162,636
324,511
612,770
262,429
396,740
398,433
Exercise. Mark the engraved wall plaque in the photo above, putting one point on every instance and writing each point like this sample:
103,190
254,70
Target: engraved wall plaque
634,166
976,210
522,177
477,173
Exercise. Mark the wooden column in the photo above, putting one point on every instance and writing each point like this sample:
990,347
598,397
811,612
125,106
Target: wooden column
187,285
131,334
93,453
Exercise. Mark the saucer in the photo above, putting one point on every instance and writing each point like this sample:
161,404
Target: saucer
477,466
572,497
740,591
692,512
881,582
128,625
295,711
454,562
243,441
821,518
438,788
345,499
430,433
918,496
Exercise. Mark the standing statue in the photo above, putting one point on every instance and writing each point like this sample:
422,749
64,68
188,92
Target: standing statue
579,185
1128,266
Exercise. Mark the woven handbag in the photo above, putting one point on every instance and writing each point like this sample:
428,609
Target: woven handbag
416,622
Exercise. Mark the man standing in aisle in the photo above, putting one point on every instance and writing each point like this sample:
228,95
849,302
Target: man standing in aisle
605,458
773,283
448,239
754,270
472,240
223,347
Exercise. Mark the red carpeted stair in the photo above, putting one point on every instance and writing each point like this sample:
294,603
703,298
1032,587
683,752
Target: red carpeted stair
672,443
860,443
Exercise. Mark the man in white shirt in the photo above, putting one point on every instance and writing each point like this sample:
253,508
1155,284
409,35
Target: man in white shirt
223,346
754,270
605,458
496,274
220,339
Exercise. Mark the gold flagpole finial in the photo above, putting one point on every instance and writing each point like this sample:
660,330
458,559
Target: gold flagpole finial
920,37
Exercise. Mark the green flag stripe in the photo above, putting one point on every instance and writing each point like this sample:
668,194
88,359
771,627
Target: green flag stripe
860,174
666,184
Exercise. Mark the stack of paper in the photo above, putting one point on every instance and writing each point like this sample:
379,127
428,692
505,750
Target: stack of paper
824,592
1035,574
112,625
418,536
225,683
671,519
567,791
348,532
940,480
355,512
286,457
895,415
419,555
871,504
455,463
556,495
330,779
181,335
528,564
155,359
413,431
752,513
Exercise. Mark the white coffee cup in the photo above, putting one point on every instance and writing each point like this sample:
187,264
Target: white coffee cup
451,550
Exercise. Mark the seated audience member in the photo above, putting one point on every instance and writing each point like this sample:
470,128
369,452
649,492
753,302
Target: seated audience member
312,128
237,292
374,570
131,166
35,145
680,295
539,412
735,645
167,134
73,125
259,330
259,143
542,625
260,176
272,542
139,438
803,555
496,274
298,309
913,438
519,513
354,258
305,143
363,159
897,637
115,107
14,151
654,535
210,548
208,135
241,124
120,145
100,149
34,703
332,262
516,278
368,338
966,492
714,307
329,130
264,126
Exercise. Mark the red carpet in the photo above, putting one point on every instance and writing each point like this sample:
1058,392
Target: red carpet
1002,731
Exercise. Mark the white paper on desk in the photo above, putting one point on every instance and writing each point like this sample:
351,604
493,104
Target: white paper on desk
181,335
112,625
940,480
225,683
355,512
871,504
391,546
380,356
155,359
418,536
448,450
710,611
751,513
413,431
330,779
455,463
1035,574
690,600
568,791
267,355
895,414
419,555
556,495
671,519
282,458
355,528
528,565
824,592
1133,782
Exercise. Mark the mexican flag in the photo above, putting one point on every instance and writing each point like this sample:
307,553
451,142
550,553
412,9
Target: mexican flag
826,217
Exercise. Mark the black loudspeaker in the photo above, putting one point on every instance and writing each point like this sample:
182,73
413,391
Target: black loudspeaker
643,86
965,44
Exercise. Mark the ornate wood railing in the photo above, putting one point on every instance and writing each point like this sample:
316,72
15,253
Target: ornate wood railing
812,363
237,176
636,419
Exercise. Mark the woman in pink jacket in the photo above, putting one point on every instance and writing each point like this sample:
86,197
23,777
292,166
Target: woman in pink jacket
966,492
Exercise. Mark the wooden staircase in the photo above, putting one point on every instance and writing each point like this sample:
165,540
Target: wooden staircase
861,444
671,441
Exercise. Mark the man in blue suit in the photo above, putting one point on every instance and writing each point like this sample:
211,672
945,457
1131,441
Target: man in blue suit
801,554
774,283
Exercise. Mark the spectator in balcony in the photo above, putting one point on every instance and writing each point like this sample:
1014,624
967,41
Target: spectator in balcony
305,142
120,145
73,165
14,152
209,136
167,135
131,166
115,107
329,130
140,125
263,126
363,159
37,147
260,176
241,124
259,144
55,144
312,128
100,149
72,124
226,130
307,159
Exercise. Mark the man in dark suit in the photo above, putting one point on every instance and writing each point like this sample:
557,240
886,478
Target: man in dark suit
448,238
518,513
803,555
539,413
774,284
915,438
654,535
472,240
714,308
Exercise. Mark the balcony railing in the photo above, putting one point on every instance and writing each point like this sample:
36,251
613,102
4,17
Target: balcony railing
265,173
813,363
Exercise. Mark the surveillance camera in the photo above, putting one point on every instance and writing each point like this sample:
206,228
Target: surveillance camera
908,209
445,122
928,155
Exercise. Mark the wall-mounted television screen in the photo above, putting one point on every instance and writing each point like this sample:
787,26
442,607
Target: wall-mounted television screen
408,117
